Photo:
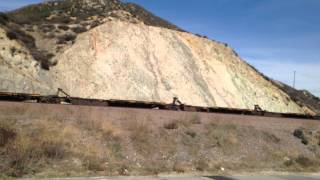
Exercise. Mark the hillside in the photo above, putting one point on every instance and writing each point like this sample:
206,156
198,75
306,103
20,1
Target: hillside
107,49
43,140
47,28
302,97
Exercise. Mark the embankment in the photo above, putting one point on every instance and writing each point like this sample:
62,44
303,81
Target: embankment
63,140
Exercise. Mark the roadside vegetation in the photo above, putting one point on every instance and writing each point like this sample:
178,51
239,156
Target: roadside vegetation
53,146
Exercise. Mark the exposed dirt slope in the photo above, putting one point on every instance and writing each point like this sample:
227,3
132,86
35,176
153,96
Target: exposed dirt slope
48,28
302,97
57,141
19,71
121,60
111,50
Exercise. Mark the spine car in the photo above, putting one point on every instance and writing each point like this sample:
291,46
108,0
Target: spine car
55,99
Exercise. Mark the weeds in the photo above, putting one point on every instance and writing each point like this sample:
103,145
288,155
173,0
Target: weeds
195,119
43,58
13,51
201,165
223,136
191,133
107,129
25,152
299,133
3,19
171,126
63,27
11,35
302,163
180,167
271,137
93,163
103,147
7,132
66,38
140,136
79,29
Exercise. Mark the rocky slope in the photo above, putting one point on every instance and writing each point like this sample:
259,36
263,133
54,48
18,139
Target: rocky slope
120,60
125,52
302,97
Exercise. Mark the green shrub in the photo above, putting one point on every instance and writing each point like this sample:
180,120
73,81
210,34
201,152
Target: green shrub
289,163
93,163
15,33
304,161
79,29
66,38
195,119
191,133
26,152
13,51
43,58
37,14
140,136
299,133
11,35
63,27
171,126
201,165
3,19
7,134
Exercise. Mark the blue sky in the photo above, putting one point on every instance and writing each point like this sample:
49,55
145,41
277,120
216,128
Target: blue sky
276,36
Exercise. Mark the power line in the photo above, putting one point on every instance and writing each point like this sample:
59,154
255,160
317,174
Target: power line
294,79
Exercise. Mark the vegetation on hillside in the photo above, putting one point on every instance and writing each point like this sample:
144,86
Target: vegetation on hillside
65,9
61,21
52,147
3,19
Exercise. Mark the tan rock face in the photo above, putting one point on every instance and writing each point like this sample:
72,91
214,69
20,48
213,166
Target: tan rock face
19,72
120,60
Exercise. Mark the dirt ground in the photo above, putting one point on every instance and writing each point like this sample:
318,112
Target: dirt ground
41,140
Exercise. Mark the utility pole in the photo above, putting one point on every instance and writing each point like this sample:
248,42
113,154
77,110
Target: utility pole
294,79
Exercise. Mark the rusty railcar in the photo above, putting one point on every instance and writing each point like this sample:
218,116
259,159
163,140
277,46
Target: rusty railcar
68,100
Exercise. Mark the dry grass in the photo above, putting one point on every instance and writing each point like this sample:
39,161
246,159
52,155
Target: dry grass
172,125
223,136
140,135
195,119
180,167
52,147
43,142
302,164
201,164
29,150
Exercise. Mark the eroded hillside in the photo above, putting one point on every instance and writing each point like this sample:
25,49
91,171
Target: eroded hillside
120,60
111,50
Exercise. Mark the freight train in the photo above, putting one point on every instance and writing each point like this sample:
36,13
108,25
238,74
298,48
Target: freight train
176,105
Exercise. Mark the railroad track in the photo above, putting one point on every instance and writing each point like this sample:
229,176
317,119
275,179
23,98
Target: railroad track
55,99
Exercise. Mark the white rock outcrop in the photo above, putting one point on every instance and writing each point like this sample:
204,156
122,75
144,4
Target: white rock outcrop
121,60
